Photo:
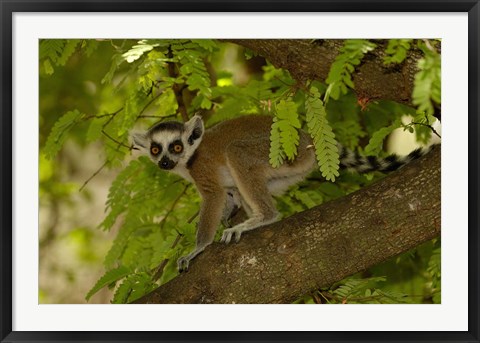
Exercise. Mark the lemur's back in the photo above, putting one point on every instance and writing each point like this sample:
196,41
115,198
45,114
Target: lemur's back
253,131
247,127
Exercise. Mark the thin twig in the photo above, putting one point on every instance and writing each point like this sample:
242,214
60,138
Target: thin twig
158,116
159,272
174,204
193,217
177,89
149,103
116,141
429,126
94,174
96,116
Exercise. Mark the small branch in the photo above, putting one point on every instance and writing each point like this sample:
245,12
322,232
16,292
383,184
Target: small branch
118,142
97,116
161,267
149,103
174,204
93,175
177,89
193,217
159,271
429,126
160,117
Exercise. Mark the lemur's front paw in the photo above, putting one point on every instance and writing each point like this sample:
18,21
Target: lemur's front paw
183,263
228,234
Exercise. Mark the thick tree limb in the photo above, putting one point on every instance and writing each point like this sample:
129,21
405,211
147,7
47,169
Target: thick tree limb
311,60
315,248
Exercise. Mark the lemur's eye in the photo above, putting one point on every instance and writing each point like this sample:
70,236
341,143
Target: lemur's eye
177,148
154,150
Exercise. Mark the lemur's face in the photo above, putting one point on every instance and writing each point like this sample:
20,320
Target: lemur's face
169,144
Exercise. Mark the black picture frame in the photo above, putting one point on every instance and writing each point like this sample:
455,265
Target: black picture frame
8,7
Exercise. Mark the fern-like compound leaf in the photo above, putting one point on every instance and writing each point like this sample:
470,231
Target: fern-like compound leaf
95,128
284,137
108,278
339,77
397,50
120,242
276,155
68,50
323,137
59,133
137,51
427,83
133,287
375,144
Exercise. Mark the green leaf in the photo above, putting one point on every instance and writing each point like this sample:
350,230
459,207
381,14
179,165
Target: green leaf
427,83
133,287
276,155
167,103
423,132
323,137
120,242
116,61
95,128
352,287
284,137
127,118
68,51
51,49
137,51
90,45
305,198
59,133
207,44
339,76
375,144
56,51
110,277
47,67
397,50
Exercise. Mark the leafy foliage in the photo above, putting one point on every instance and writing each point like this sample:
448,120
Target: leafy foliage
323,137
284,133
59,132
153,213
133,287
435,271
57,52
110,277
397,50
340,75
427,86
375,144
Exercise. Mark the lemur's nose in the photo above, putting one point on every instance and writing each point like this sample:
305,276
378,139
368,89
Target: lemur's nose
166,163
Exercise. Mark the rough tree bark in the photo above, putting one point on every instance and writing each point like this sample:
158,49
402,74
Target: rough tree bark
311,60
315,248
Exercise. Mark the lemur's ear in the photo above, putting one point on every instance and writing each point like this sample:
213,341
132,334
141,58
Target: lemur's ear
140,140
194,129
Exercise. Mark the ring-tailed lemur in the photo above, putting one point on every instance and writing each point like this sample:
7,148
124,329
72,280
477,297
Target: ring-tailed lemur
229,165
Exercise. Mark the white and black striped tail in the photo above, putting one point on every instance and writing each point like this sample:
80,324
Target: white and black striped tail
363,164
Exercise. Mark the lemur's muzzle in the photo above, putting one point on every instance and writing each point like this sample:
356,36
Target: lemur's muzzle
166,163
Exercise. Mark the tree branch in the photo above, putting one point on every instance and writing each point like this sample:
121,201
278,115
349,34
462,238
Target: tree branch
311,60
315,248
